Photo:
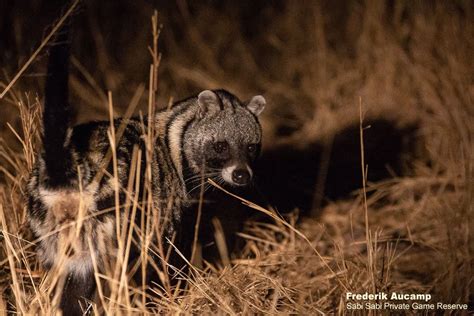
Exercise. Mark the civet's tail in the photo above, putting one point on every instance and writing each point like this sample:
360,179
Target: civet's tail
56,116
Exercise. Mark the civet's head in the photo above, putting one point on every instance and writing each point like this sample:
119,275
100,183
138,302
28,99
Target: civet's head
225,138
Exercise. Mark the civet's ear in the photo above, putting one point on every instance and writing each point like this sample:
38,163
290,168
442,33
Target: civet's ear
256,104
207,100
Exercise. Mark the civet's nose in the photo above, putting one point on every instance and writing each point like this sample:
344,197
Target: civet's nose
241,176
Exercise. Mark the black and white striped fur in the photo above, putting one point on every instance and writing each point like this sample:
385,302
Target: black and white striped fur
212,134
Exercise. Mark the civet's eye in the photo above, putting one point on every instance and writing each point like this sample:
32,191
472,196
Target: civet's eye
220,147
252,148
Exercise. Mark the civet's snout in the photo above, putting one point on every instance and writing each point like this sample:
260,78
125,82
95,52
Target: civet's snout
241,176
237,175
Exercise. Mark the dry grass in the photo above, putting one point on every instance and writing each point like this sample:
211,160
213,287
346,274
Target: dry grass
411,234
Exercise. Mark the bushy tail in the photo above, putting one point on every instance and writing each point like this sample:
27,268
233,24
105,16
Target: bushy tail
56,116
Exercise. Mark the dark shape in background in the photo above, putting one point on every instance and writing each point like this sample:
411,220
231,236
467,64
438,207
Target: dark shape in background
306,178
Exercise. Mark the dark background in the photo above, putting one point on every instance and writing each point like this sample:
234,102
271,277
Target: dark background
407,64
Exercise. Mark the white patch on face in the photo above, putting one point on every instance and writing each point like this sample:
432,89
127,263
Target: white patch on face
227,174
